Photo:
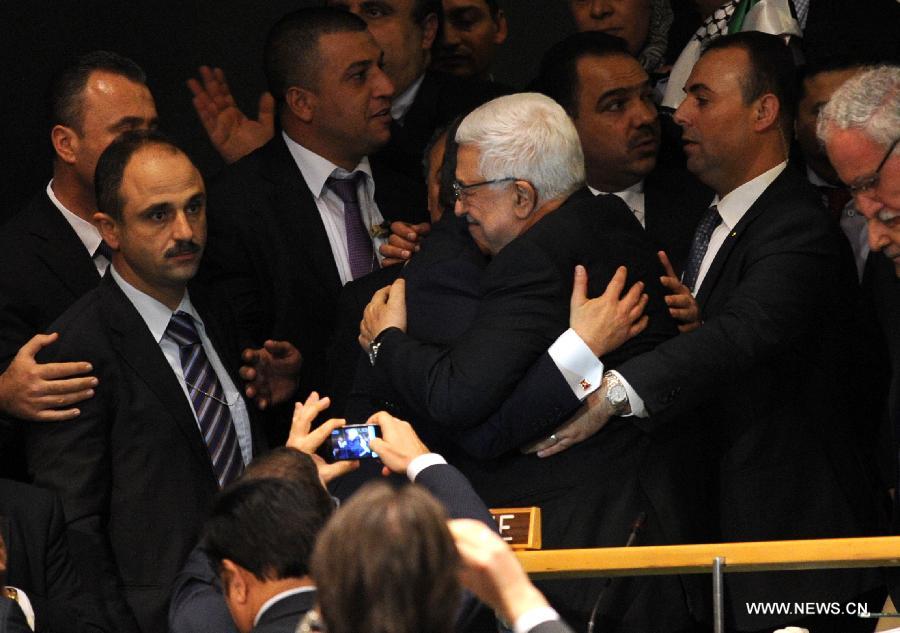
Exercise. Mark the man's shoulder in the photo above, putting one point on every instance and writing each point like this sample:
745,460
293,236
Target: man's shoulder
20,500
37,216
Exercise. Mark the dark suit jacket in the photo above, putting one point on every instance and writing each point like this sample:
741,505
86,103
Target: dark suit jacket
398,166
283,616
12,620
674,201
268,252
132,470
764,367
45,269
38,560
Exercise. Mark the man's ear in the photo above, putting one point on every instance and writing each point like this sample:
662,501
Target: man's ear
767,110
429,31
234,582
109,229
65,143
502,28
301,102
526,199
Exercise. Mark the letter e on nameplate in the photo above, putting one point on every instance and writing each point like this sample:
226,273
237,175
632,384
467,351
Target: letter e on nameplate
520,527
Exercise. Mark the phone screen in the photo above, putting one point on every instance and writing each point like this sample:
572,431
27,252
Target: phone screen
352,441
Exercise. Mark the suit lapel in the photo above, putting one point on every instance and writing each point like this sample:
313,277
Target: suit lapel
753,213
296,210
58,246
132,340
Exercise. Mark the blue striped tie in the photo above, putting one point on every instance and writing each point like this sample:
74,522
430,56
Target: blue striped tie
711,219
208,399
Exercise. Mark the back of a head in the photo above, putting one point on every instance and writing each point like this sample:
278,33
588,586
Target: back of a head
267,526
386,563
291,55
113,161
771,70
526,136
870,102
558,75
286,463
67,88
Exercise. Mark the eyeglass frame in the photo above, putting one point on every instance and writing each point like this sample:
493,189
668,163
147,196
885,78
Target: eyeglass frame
871,182
459,189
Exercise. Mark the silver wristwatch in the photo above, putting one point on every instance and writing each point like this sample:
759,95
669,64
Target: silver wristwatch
616,396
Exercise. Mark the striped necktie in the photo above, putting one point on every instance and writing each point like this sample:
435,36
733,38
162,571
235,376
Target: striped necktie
208,399
708,223
359,243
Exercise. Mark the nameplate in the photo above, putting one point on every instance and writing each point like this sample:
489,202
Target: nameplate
520,527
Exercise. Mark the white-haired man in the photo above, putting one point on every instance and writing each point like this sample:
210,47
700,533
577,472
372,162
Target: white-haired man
520,187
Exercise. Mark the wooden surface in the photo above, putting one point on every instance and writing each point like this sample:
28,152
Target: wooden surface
695,559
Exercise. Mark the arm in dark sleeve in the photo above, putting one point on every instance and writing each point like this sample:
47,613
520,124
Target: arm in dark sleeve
73,458
197,604
453,490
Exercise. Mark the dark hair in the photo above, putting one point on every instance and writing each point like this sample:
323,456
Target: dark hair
832,64
267,526
771,70
558,75
386,563
291,56
66,91
423,8
494,7
111,167
283,462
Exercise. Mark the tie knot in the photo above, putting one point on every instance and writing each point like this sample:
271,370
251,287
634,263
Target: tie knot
181,329
346,188
711,218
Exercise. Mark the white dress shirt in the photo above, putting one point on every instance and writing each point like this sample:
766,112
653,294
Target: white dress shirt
401,104
633,196
157,316
316,171
88,233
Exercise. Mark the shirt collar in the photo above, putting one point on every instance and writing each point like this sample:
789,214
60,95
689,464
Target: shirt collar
316,169
401,105
736,203
155,314
277,597
633,196
88,233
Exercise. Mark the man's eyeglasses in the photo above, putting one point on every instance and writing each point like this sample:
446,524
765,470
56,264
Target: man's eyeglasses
461,192
870,182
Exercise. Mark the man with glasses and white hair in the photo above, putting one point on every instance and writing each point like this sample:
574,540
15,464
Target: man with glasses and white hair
860,128
520,188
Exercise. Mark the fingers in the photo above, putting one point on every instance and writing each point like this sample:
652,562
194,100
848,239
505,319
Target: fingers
267,109
317,436
638,326
392,261
329,472
306,412
279,349
54,415
638,309
397,294
667,265
395,253
70,386
559,446
579,288
58,371
673,286
38,342
617,283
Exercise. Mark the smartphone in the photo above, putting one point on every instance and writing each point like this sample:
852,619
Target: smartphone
352,441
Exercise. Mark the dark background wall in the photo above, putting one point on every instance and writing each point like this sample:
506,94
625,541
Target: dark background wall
170,39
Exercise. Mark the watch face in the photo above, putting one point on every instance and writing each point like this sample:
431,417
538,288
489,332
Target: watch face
617,395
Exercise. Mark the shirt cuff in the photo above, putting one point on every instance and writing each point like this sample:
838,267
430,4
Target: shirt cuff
420,463
581,370
636,403
530,619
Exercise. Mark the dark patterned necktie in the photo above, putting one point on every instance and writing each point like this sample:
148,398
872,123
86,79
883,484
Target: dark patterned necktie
105,250
208,399
359,244
708,223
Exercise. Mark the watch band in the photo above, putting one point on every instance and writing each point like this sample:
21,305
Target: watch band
375,344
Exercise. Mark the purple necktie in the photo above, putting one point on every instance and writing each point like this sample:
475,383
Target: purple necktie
208,400
359,244
711,219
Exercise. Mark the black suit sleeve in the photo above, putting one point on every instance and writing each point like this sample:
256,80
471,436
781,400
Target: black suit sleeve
453,490
73,458
519,316
552,626
775,305
197,604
